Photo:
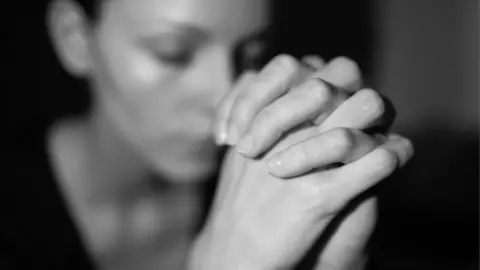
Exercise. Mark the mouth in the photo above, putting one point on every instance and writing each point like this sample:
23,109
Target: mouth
199,128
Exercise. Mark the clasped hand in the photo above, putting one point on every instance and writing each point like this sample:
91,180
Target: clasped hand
303,147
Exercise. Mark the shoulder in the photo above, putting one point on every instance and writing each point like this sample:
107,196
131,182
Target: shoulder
39,226
67,153
64,136
66,147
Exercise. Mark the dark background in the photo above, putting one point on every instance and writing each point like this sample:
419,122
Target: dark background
422,54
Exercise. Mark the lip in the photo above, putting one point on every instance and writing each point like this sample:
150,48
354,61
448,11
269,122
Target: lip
193,134
191,138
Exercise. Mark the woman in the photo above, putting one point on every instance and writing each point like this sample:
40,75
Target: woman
128,170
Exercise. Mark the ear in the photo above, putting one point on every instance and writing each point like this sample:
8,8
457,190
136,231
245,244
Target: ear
68,29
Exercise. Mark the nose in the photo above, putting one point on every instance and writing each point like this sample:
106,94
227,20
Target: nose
214,74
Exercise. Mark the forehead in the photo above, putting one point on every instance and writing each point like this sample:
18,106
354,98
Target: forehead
220,17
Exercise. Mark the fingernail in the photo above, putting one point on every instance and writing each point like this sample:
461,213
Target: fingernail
245,145
275,165
221,137
233,135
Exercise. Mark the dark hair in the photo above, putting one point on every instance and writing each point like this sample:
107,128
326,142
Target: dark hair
90,7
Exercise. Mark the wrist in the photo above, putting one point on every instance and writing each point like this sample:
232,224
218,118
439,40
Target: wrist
209,253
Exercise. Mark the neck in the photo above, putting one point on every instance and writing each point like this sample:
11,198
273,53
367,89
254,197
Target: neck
117,167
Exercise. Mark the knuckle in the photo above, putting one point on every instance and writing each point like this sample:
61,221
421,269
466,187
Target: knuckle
326,205
270,121
347,65
318,91
280,63
283,64
286,61
267,116
342,140
281,69
302,153
316,199
347,73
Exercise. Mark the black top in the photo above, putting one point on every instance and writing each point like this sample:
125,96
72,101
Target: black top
36,229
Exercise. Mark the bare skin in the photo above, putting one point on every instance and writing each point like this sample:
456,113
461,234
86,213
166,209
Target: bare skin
272,222
157,71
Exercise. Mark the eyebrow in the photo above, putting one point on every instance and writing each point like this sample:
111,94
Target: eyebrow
192,31
184,35
193,35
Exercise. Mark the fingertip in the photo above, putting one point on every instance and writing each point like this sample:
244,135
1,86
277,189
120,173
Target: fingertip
221,137
287,163
246,145
373,102
276,166
345,73
346,65
404,148
232,136
220,129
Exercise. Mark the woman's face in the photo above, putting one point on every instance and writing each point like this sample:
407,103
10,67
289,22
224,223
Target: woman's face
159,67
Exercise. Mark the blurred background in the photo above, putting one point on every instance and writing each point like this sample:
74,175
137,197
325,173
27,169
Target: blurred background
422,54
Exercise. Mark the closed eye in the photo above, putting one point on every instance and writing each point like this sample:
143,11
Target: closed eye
178,58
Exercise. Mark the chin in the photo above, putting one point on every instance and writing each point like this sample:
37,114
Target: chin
186,168
181,158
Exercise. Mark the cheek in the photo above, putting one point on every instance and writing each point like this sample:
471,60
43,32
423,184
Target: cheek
147,101
140,74
134,73
131,72
134,88
145,89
